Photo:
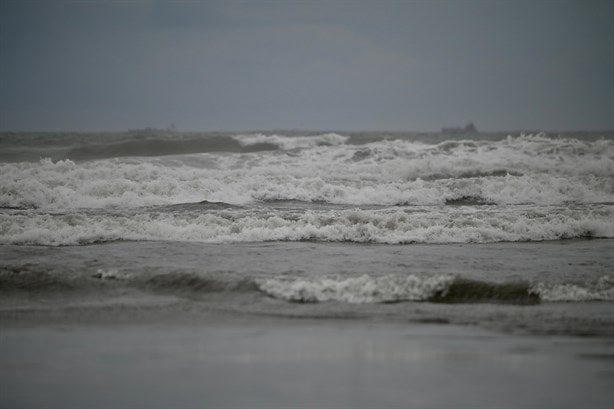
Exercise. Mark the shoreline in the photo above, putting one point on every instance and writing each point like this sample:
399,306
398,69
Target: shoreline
130,308
192,337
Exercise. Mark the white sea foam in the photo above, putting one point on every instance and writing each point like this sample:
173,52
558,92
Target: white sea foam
112,274
460,225
363,289
109,184
521,170
603,290
396,288
292,142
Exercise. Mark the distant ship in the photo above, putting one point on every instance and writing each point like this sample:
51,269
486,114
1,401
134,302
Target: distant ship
468,129
154,131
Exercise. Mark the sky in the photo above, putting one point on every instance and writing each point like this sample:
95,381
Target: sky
328,65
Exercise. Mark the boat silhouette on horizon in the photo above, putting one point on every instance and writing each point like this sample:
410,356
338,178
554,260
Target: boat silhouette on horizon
468,129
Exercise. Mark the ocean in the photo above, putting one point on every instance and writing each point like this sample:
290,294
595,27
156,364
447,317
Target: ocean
511,233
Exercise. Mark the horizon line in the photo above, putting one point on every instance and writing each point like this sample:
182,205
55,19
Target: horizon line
282,129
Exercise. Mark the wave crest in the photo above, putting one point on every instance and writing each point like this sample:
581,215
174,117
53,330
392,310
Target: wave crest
134,183
440,289
389,226
602,290
292,142
363,289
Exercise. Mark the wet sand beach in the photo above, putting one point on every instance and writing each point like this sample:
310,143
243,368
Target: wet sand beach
229,360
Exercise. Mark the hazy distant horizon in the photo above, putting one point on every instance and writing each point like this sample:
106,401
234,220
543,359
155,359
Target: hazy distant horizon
299,130
360,65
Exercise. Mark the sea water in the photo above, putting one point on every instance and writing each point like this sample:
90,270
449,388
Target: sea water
507,230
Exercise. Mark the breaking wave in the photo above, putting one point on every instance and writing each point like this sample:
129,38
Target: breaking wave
440,289
181,144
602,290
292,142
390,226
158,147
392,173
364,289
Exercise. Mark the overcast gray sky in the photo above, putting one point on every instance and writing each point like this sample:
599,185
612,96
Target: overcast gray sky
346,65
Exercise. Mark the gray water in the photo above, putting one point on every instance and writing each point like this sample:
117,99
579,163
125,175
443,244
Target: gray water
276,269
491,283
365,224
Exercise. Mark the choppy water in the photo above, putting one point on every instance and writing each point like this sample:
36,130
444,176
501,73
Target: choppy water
345,195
